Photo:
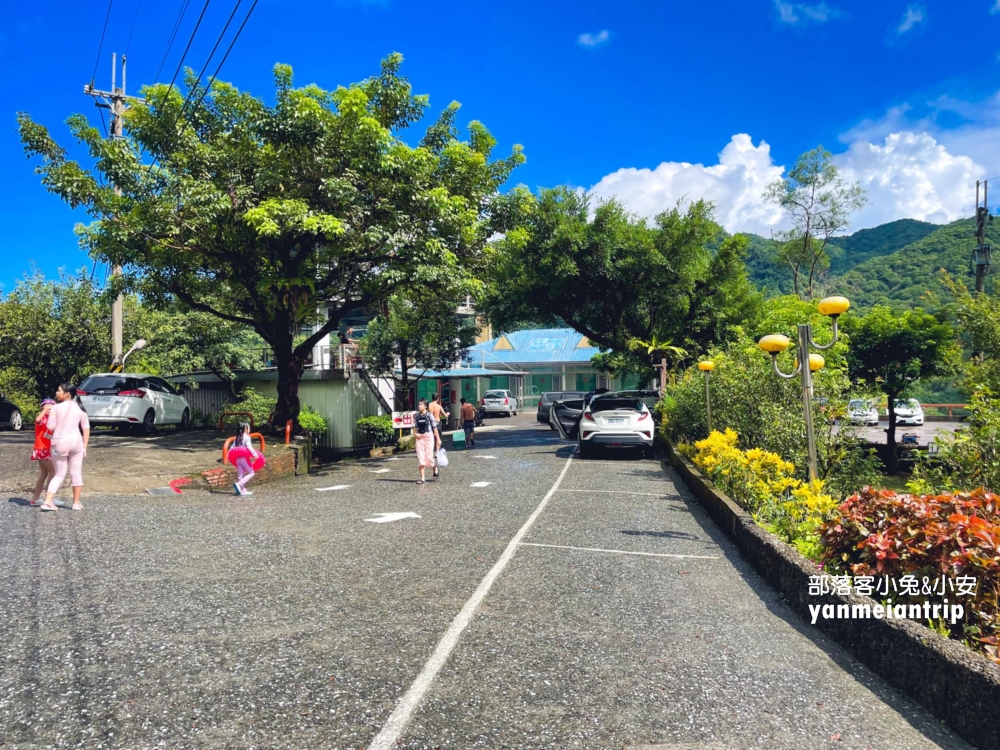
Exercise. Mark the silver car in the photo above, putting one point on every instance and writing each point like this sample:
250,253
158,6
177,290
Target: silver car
862,411
499,402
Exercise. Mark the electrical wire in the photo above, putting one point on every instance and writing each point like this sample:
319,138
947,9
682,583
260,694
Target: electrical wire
180,63
128,45
225,56
100,46
173,34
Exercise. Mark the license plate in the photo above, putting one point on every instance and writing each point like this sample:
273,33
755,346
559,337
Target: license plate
101,399
616,420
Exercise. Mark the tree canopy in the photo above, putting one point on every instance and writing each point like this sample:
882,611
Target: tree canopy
890,350
617,279
261,214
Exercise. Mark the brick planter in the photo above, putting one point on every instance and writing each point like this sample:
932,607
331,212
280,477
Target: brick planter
278,465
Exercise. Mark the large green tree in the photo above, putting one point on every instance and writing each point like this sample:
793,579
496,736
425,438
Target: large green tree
819,204
890,351
417,331
260,214
616,278
54,331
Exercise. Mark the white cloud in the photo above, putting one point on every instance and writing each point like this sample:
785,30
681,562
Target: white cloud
996,8
734,185
907,175
594,40
913,16
800,14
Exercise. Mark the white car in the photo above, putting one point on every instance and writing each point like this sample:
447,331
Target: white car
862,411
127,399
499,402
607,420
909,411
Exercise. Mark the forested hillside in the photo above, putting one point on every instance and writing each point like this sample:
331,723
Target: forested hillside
896,264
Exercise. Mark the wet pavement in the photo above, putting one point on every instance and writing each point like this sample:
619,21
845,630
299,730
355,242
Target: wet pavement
559,604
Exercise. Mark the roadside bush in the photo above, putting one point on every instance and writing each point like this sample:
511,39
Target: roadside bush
879,533
969,458
764,484
379,429
766,412
251,400
312,422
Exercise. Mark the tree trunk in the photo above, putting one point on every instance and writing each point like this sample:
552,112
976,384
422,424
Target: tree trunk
289,374
892,464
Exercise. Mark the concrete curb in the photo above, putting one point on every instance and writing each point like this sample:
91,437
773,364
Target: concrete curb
957,685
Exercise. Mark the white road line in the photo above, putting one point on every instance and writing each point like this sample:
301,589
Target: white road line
621,551
481,484
338,487
623,492
400,717
380,471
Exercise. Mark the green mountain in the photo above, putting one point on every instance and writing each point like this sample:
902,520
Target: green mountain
910,276
884,239
896,264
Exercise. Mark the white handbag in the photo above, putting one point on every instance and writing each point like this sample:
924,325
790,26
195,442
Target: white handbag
442,457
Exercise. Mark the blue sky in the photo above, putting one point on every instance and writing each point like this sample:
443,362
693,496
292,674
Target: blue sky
651,101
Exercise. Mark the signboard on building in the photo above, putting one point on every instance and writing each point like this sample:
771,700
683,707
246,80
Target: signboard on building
403,420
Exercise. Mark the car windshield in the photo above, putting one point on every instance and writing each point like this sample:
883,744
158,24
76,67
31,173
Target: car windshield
610,404
908,404
108,383
857,404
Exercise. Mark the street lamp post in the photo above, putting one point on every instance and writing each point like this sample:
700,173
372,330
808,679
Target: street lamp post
707,367
775,343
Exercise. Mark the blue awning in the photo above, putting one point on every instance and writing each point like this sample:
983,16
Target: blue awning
460,372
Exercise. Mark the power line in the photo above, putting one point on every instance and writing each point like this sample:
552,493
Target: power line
173,34
128,44
180,63
100,46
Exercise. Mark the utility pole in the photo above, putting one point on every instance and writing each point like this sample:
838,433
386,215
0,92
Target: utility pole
982,255
114,102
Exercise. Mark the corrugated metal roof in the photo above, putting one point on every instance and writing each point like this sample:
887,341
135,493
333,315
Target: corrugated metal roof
460,372
535,346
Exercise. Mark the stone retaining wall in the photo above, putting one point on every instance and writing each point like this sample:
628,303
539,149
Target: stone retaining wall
959,686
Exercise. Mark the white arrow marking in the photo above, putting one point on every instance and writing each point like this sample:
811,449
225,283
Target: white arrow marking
483,456
338,487
481,484
394,458
380,471
390,517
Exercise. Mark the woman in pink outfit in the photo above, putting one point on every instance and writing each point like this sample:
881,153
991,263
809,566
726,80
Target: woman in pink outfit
69,429
246,460
425,427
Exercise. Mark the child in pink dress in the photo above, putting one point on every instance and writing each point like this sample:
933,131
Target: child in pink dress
246,460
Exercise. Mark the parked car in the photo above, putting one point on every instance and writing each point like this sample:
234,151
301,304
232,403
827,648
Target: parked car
606,420
143,402
862,411
10,415
909,411
499,402
547,399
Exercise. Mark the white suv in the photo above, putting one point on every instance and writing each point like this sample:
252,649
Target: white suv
608,420
128,399
499,402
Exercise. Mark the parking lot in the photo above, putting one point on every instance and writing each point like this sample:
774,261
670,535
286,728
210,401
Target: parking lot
116,463
527,599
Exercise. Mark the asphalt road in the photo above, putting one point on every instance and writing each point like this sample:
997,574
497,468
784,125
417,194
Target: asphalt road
565,604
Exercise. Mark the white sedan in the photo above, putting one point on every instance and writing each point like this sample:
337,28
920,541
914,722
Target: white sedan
862,411
133,400
909,411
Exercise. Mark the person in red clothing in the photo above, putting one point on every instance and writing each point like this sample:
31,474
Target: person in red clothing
42,452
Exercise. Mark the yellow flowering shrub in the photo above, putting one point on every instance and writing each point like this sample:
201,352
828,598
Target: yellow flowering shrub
764,484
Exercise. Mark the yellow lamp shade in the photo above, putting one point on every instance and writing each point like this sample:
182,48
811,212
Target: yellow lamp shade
816,362
834,305
773,343
706,366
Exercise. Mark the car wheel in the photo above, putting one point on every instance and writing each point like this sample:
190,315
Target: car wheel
185,421
16,422
149,423
514,414
647,452
586,450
